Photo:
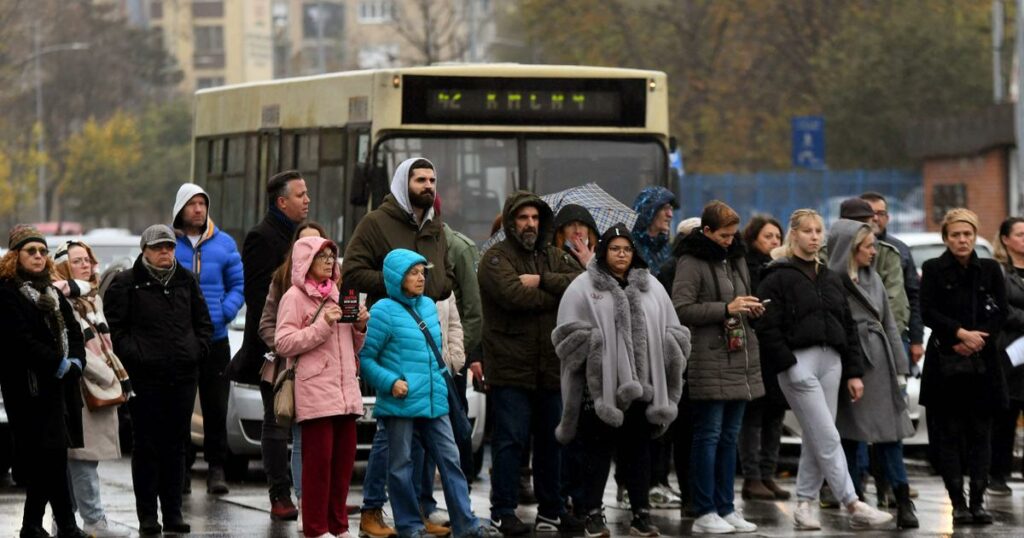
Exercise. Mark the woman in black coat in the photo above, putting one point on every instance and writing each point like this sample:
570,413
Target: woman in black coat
963,301
761,433
1009,250
43,360
161,330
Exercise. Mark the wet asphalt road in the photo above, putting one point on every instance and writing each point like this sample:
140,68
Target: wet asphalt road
244,512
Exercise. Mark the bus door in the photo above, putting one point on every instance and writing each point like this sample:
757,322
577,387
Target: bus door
358,176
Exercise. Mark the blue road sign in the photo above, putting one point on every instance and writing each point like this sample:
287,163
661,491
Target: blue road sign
809,142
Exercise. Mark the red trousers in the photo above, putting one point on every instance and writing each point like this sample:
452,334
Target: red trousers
328,455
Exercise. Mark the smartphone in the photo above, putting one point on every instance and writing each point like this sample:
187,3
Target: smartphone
765,302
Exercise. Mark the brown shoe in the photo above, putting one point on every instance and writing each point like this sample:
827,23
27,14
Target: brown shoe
755,490
371,525
435,529
780,494
282,509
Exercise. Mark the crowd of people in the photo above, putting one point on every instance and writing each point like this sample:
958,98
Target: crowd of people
594,346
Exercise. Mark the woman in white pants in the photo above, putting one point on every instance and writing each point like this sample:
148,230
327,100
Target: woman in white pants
809,339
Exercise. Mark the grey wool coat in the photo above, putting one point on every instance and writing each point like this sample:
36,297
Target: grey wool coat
622,345
708,278
881,415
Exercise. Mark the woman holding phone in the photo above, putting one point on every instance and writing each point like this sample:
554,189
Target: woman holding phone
327,395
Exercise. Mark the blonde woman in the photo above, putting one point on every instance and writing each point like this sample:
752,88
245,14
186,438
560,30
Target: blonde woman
809,339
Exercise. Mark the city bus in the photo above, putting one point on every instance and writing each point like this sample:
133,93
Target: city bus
489,129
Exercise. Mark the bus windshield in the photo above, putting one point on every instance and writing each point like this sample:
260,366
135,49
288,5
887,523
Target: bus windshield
476,174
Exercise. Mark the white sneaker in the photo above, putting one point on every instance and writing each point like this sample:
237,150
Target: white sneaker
736,520
863,516
102,529
712,524
804,517
663,497
346,534
439,517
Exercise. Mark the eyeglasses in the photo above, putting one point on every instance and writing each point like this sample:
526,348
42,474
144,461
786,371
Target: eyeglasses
32,251
325,257
161,246
620,250
881,213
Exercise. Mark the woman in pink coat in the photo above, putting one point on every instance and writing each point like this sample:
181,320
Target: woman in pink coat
327,396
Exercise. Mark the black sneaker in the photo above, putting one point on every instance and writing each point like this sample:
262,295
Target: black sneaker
998,488
546,524
596,526
571,523
641,525
511,525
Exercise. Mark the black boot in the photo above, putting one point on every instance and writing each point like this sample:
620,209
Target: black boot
979,515
905,517
961,515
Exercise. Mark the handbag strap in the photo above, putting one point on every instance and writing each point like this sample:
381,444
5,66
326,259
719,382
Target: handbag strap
426,334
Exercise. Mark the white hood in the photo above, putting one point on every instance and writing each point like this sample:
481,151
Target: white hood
185,193
400,187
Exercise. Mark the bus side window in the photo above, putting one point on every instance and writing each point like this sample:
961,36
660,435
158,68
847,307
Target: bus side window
330,200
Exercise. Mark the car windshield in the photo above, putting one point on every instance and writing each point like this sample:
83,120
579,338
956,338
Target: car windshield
476,174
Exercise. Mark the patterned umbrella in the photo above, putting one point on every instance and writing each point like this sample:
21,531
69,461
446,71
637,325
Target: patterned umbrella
606,210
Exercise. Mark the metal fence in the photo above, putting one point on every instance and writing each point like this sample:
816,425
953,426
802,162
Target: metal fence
780,193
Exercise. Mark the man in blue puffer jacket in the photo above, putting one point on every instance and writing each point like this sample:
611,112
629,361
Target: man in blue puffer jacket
412,396
214,259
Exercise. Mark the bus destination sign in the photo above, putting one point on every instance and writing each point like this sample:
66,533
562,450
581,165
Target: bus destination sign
524,101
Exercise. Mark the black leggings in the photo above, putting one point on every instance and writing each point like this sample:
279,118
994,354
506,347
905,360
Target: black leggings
630,446
46,481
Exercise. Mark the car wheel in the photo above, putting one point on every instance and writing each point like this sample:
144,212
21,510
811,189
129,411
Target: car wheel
236,468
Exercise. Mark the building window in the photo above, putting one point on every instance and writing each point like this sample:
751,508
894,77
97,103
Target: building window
209,39
207,8
156,9
331,16
209,82
378,56
376,11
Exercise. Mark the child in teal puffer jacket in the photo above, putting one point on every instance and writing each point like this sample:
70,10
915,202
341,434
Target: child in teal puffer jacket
412,396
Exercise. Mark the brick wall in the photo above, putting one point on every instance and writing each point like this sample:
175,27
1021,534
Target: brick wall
985,178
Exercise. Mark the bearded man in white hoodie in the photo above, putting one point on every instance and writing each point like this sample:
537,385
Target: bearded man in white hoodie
212,256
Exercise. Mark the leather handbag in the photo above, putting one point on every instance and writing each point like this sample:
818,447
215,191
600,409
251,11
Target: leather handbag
284,386
97,397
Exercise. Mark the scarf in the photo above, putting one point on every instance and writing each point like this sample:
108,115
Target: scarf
324,288
37,289
279,215
96,334
162,275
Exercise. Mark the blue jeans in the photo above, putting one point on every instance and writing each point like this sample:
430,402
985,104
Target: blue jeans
517,413
439,442
889,459
423,466
85,483
297,459
713,460
376,479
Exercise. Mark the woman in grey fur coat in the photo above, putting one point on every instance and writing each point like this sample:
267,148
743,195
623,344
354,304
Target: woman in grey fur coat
623,353
881,417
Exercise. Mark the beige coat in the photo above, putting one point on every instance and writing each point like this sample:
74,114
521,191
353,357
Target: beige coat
100,427
453,349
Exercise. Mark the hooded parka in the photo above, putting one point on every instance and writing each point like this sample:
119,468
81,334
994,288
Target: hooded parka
396,348
708,277
325,354
518,320
392,226
881,416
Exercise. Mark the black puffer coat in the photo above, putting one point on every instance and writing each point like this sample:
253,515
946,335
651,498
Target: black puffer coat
1012,330
51,416
160,333
804,313
756,263
953,297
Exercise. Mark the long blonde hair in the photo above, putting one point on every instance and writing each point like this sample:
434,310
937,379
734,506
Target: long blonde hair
795,221
851,266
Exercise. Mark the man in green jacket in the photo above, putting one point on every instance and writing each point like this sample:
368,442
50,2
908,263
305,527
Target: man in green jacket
522,279
405,219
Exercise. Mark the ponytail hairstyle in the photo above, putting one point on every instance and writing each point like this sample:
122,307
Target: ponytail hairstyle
799,218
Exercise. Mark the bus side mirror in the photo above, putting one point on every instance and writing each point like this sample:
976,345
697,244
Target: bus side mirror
369,180
673,143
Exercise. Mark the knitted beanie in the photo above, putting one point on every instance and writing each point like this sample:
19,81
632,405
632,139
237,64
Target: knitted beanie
24,233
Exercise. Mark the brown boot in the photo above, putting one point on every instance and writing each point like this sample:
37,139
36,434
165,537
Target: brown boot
780,494
435,529
371,524
755,490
